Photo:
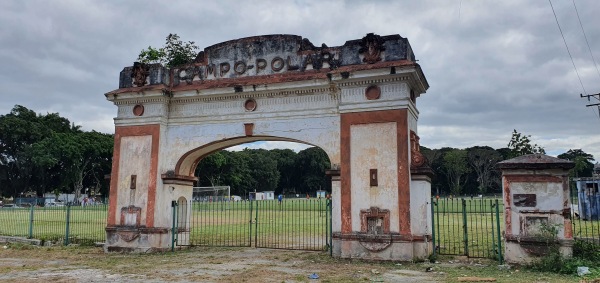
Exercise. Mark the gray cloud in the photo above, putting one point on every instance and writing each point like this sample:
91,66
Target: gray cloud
493,66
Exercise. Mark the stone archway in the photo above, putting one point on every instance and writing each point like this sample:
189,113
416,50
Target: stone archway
357,102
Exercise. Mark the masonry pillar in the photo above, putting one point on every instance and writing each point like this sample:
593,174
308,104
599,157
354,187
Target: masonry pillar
139,215
537,208
420,200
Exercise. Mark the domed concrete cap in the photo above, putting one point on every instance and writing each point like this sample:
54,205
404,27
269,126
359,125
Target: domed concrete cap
536,161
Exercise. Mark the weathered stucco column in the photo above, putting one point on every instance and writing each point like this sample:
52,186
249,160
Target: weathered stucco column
420,200
537,208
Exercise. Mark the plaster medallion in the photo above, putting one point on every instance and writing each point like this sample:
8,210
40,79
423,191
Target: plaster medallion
373,92
138,110
250,104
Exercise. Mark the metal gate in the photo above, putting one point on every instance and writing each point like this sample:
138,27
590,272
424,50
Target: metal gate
294,224
469,227
585,209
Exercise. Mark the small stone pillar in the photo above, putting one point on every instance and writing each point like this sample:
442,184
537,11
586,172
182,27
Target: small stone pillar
536,206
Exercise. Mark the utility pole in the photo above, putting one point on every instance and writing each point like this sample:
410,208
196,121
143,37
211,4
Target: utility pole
596,96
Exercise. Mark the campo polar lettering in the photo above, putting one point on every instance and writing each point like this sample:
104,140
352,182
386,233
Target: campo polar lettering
260,66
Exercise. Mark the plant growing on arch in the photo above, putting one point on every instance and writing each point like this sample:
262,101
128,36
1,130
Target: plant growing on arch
520,144
174,53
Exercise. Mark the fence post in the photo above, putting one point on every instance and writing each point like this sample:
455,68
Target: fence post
433,226
330,210
500,258
494,246
256,227
173,229
30,235
66,243
465,228
250,233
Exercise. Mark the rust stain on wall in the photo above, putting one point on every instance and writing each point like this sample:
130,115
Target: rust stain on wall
401,118
128,131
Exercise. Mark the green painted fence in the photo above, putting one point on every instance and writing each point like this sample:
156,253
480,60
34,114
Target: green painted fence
470,227
297,224
60,224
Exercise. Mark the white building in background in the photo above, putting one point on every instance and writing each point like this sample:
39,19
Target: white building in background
65,198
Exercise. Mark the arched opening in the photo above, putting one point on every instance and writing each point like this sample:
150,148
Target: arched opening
261,194
290,169
187,164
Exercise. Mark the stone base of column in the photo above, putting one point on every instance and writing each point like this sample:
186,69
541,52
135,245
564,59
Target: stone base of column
525,250
393,247
137,239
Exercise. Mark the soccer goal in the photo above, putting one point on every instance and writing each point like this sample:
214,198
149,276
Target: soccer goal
212,194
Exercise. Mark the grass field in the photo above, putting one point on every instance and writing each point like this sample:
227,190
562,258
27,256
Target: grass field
295,224
481,239
86,224
479,216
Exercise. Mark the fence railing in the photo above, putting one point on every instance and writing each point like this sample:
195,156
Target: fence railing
219,223
299,224
303,224
59,225
470,227
585,210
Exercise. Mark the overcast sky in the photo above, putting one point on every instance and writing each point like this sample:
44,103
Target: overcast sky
493,66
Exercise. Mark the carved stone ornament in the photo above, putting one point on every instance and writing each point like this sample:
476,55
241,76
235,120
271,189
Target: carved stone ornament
131,216
375,229
417,159
250,104
138,110
371,47
376,246
140,73
375,213
128,236
373,92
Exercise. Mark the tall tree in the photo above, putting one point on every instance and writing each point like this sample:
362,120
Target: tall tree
456,167
19,131
263,169
78,155
483,161
520,144
312,163
584,166
211,169
288,175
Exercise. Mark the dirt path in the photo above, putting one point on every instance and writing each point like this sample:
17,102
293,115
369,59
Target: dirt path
79,264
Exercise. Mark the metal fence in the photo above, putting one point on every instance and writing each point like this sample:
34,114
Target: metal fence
585,210
298,224
470,227
59,225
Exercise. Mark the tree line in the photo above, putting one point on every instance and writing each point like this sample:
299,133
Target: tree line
46,153
41,153
472,171
281,170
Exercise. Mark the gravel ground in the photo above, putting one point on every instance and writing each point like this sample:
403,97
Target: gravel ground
23,263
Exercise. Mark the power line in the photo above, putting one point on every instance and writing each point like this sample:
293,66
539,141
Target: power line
568,51
586,40
596,96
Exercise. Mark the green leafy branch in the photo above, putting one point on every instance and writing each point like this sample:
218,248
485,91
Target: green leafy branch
174,53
